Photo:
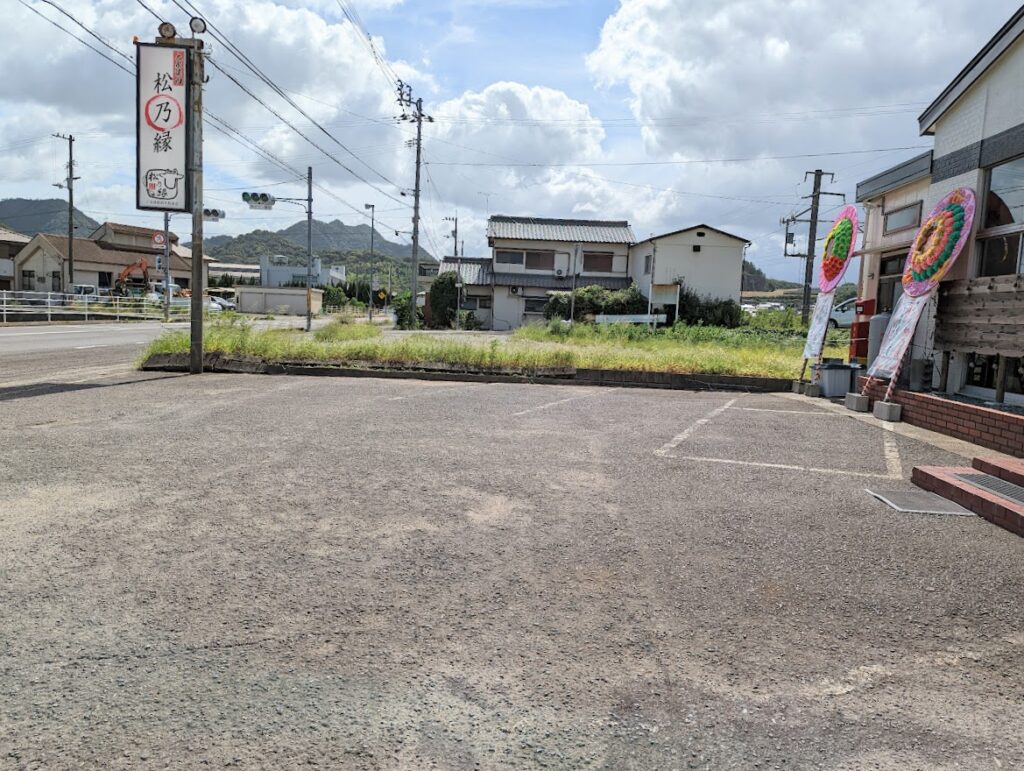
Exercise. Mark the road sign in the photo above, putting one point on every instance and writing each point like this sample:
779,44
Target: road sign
158,240
382,295
161,124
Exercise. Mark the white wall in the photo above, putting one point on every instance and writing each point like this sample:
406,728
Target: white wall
508,309
715,271
258,299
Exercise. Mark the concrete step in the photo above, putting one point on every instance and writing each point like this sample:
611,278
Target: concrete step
1010,469
997,507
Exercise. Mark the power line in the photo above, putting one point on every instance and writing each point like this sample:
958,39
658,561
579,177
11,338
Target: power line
71,34
245,60
682,163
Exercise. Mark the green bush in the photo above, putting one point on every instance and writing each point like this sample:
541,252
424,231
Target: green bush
468,320
594,300
444,296
402,306
694,310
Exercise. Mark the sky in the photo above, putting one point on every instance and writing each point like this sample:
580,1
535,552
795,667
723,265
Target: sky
666,113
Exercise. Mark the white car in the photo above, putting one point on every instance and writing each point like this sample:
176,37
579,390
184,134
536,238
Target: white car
221,303
843,314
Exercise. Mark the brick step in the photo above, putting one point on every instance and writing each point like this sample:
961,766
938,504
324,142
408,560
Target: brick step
1010,469
944,481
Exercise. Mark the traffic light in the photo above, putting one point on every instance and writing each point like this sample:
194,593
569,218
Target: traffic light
214,215
258,200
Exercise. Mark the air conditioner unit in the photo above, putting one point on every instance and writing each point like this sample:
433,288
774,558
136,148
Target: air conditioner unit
513,290
560,273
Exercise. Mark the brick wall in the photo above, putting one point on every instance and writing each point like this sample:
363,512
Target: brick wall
996,430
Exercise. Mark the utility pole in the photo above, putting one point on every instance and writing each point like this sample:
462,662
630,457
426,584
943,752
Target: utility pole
69,182
373,227
417,116
458,266
812,236
309,248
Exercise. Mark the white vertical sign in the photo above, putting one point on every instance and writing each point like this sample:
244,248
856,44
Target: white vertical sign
162,122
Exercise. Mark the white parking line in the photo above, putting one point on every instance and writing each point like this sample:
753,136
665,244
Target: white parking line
87,347
554,404
666,448
791,412
891,452
787,467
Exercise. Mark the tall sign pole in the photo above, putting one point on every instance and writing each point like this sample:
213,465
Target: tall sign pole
167,266
169,147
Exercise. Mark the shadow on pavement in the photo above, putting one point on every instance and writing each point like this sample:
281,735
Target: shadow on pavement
46,389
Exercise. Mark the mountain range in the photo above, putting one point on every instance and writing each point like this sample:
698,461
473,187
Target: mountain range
32,216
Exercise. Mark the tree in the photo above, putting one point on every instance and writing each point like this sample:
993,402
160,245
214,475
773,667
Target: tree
402,305
444,299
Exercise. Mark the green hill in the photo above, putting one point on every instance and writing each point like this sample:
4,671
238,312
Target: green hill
49,215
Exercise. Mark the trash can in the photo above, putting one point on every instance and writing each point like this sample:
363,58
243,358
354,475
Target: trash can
836,380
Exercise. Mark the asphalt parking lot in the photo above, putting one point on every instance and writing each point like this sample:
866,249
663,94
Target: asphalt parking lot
267,572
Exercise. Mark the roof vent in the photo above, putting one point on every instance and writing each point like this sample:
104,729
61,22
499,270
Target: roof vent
701,234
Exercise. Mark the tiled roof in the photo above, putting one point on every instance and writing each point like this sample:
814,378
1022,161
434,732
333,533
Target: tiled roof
129,230
538,229
13,236
93,252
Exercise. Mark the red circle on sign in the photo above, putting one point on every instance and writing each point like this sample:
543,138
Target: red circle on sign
173,101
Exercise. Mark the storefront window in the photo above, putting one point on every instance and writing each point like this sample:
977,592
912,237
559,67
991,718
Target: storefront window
981,373
999,256
1005,202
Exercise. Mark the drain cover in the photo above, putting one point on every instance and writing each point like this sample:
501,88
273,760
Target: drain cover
920,502
1000,487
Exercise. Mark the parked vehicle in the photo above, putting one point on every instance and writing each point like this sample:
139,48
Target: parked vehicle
224,305
843,314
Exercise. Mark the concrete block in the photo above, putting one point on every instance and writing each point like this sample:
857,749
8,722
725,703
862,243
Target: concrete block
798,386
857,403
888,411
812,390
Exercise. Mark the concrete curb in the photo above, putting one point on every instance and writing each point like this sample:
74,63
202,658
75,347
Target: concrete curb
216,362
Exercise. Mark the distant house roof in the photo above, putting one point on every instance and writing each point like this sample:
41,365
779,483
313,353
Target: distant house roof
9,236
696,227
127,230
475,271
97,253
975,68
917,168
539,229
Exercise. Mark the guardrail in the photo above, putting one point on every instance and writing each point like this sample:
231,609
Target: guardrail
55,306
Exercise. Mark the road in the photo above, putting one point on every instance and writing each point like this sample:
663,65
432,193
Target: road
273,572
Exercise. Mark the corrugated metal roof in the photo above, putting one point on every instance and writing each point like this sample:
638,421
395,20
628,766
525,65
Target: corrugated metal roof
564,284
474,271
13,236
539,229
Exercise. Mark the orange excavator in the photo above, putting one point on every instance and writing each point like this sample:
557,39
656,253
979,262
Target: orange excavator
124,284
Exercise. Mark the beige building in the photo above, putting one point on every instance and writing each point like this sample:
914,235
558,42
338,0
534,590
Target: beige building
970,339
42,264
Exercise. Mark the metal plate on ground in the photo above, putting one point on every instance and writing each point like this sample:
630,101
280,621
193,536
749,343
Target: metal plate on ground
1000,487
920,502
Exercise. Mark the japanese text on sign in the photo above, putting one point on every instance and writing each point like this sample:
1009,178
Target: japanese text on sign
163,117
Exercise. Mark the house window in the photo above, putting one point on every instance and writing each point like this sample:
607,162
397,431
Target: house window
484,303
509,258
1000,255
55,281
103,279
540,260
647,264
890,285
696,247
468,304
28,280
902,219
535,304
597,262
1004,204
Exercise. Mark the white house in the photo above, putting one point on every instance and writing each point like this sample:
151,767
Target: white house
972,329
11,242
707,260
532,257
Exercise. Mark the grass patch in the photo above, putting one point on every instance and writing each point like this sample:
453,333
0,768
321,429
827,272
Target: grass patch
684,350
